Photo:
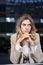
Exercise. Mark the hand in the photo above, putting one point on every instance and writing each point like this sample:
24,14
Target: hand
30,40
23,37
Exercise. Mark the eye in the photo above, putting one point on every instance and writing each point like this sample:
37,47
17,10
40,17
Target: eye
24,24
29,24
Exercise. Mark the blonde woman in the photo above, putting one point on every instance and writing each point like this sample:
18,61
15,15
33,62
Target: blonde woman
25,43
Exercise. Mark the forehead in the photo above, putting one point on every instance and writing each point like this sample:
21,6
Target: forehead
26,21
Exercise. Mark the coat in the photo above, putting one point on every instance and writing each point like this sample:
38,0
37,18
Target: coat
15,55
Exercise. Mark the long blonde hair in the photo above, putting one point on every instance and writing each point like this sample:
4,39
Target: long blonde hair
18,26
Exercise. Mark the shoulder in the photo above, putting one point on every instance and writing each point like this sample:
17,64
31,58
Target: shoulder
37,37
13,36
37,34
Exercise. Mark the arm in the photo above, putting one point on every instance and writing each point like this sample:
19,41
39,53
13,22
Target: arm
38,52
39,48
38,43
14,54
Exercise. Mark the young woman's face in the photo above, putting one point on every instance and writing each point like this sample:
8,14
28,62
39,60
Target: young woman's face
26,26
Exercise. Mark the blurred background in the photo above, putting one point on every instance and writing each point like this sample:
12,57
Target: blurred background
10,11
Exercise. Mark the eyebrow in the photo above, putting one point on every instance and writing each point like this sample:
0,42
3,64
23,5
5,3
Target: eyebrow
24,23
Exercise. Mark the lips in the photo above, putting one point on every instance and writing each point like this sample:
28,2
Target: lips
27,31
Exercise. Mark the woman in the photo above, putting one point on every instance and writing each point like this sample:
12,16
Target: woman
25,43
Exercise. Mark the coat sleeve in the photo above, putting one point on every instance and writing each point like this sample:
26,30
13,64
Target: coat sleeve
38,43
39,48
38,53
14,54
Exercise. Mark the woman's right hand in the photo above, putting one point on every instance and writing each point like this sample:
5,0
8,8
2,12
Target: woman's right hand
23,37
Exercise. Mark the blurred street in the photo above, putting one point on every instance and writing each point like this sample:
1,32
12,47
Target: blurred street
10,11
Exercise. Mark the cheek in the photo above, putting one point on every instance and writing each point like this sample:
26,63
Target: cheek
22,29
29,29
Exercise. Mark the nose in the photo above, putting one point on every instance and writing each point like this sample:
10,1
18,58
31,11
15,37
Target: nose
26,27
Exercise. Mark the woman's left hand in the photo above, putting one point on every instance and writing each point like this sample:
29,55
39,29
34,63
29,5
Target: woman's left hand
30,40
